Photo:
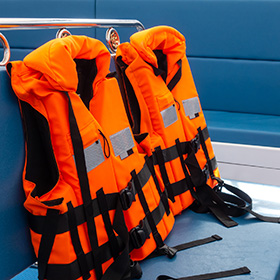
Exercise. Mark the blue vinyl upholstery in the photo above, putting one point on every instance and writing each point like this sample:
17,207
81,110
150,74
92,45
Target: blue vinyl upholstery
245,29
240,99
16,251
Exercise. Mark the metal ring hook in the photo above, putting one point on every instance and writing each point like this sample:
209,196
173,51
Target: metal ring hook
6,49
112,39
62,32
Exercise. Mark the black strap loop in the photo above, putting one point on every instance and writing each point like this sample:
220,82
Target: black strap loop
105,144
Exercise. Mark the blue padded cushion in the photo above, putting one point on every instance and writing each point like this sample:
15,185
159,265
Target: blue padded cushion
238,85
245,29
16,250
251,129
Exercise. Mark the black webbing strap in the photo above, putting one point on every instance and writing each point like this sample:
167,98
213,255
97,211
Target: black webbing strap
240,203
163,194
47,241
223,205
171,153
84,185
161,163
168,154
158,71
264,218
198,242
206,197
157,215
72,270
81,257
176,78
214,275
104,209
120,269
178,187
209,200
189,245
198,176
36,223
127,195
143,201
141,232
117,270
187,178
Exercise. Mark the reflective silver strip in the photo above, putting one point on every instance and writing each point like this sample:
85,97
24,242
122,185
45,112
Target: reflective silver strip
122,142
94,155
169,115
191,107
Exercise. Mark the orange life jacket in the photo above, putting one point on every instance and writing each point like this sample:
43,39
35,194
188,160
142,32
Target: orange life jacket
73,172
166,117
162,101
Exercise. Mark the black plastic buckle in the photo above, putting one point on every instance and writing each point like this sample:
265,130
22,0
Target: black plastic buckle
170,252
127,196
138,236
195,142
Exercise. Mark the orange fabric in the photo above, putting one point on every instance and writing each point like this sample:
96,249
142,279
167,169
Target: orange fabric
39,80
154,97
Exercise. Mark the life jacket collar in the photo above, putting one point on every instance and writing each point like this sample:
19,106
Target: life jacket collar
164,38
54,62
